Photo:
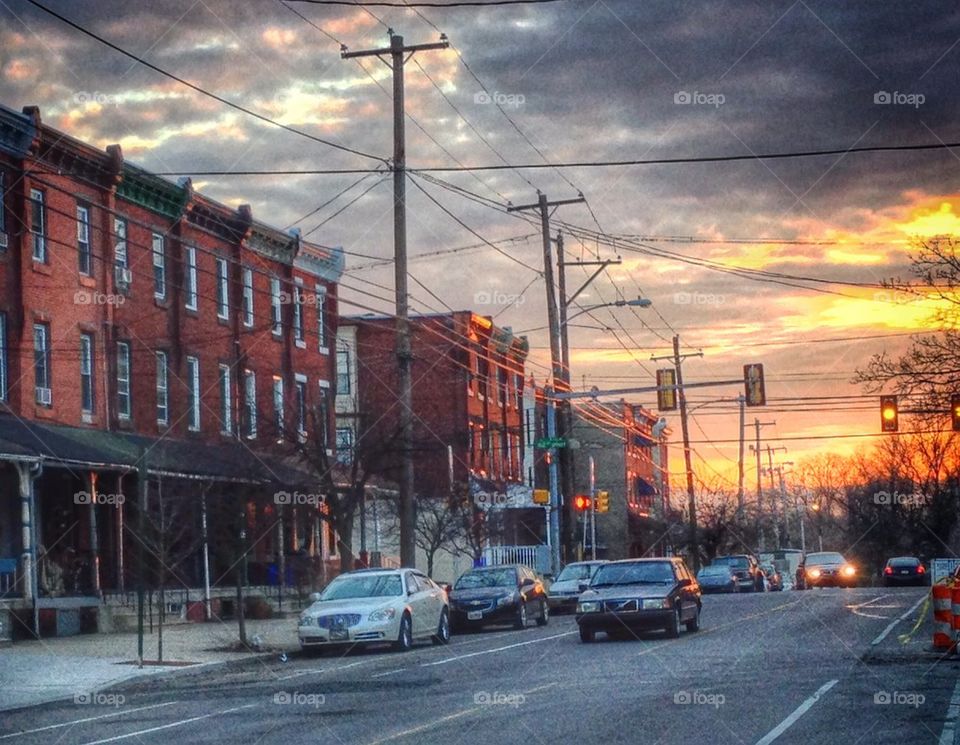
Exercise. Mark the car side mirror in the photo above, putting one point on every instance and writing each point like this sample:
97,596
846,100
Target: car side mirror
583,586
685,582
527,582
314,597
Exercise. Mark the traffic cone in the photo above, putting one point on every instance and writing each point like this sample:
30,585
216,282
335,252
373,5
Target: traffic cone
943,614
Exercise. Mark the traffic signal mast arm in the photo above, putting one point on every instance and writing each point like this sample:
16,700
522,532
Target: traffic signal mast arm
596,393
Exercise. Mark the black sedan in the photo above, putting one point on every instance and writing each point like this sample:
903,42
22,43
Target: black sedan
718,578
498,595
904,570
639,594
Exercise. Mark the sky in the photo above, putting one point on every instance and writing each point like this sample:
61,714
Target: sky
565,81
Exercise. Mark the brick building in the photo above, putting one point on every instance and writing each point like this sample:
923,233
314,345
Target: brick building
139,316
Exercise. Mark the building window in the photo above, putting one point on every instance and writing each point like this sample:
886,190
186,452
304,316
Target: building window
298,314
226,401
163,389
3,356
38,225
278,405
120,247
250,404
41,363
159,268
343,371
3,202
86,373
190,277
123,379
518,389
247,296
223,289
193,394
301,382
322,318
275,307
84,257
344,445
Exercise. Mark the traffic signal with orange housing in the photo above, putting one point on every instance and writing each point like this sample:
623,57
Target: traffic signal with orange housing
889,414
955,412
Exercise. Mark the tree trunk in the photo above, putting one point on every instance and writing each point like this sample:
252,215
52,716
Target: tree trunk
430,555
344,528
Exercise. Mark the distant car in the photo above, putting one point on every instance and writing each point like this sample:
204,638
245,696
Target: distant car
825,569
563,593
773,577
904,570
510,594
717,578
636,594
370,606
746,569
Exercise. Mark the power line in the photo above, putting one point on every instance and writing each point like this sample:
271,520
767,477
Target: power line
426,4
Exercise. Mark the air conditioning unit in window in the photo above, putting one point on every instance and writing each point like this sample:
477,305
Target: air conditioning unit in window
3,240
44,396
123,277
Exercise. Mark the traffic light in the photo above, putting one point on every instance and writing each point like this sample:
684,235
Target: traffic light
667,389
889,414
541,496
581,503
754,389
955,412
603,501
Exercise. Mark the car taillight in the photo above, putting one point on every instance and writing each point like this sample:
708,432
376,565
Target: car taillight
920,569
888,570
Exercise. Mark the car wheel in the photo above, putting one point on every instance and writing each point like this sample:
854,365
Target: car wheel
521,620
544,618
405,638
694,624
673,630
443,629
586,635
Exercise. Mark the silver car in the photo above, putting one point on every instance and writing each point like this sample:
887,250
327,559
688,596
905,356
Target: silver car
563,593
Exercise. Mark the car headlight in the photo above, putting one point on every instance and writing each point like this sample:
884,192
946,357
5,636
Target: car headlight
505,600
814,573
305,620
849,571
588,606
383,614
656,603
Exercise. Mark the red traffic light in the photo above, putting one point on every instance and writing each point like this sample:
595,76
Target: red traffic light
889,414
581,502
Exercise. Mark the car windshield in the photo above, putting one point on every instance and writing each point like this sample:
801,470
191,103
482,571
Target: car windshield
650,572
714,571
369,586
577,571
904,561
738,562
827,557
487,578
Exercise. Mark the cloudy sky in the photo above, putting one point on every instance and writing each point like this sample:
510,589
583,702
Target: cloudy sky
575,80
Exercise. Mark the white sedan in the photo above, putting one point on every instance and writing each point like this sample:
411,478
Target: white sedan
371,606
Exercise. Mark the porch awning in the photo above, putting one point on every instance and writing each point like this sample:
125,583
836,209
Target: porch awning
60,445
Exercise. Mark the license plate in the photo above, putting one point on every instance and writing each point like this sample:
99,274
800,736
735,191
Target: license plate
339,635
474,615
904,571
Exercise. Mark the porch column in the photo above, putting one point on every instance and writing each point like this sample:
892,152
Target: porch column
27,474
94,537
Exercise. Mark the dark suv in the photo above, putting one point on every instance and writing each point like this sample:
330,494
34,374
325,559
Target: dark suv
745,568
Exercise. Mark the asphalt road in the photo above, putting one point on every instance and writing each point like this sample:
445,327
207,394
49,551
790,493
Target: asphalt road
775,667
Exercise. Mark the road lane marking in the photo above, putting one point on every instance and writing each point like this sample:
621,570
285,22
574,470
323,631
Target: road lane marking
796,714
496,649
886,631
953,711
302,673
120,712
388,672
171,725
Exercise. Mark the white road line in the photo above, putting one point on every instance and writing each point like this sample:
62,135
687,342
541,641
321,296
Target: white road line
388,672
179,723
119,712
953,711
886,631
797,713
302,673
496,649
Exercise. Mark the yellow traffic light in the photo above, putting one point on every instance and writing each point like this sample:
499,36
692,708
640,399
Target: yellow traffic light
955,412
603,501
889,414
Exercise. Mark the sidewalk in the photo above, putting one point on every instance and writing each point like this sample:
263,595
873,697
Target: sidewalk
36,672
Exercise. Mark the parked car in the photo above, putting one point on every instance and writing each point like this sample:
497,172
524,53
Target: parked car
499,595
825,569
904,570
370,606
563,593
746,569
635,594
717,578
773,577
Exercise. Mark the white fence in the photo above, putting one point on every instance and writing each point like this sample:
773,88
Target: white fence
537,557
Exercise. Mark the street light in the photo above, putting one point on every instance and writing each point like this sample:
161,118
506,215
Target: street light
640,302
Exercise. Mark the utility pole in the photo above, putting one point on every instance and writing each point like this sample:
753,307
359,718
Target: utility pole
691,496
561,381
773,495
397,50
593,510
759,526
742,400
141,509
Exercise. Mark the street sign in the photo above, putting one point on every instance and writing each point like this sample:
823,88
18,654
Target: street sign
756,394
541,496
667,389
545,443
940,568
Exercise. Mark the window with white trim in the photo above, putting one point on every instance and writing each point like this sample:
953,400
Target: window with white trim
84,256
41,362
223,289
301,390
193,394
343,371
120,245
250,404
344,445
298,312
247,296
322,317
86,373
3,356
275,307
190,278
123,379
3,202
278,405
159,267
226,400
38,225
163,389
